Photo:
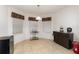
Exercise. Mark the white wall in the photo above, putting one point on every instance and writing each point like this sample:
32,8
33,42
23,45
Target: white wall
17,37
3,21
67,17
43,34
27,25
39,24
26,28
26,32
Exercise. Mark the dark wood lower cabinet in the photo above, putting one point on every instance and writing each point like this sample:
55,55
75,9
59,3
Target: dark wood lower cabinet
6,45
64,39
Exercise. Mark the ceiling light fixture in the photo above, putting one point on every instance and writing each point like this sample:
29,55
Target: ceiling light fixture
38,17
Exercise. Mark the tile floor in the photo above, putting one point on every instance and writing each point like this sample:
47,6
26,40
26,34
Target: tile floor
41,46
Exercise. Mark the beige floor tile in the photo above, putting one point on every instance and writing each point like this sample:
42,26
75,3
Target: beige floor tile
41,46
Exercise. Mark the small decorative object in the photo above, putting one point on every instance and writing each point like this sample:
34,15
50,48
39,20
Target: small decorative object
69,29
61,29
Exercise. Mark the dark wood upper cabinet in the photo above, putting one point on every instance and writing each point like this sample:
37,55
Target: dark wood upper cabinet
46,19
16,15
32,19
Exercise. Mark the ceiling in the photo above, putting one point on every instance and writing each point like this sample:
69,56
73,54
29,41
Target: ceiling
42,9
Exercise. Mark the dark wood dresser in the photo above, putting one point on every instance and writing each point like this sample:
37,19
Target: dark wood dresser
64,39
